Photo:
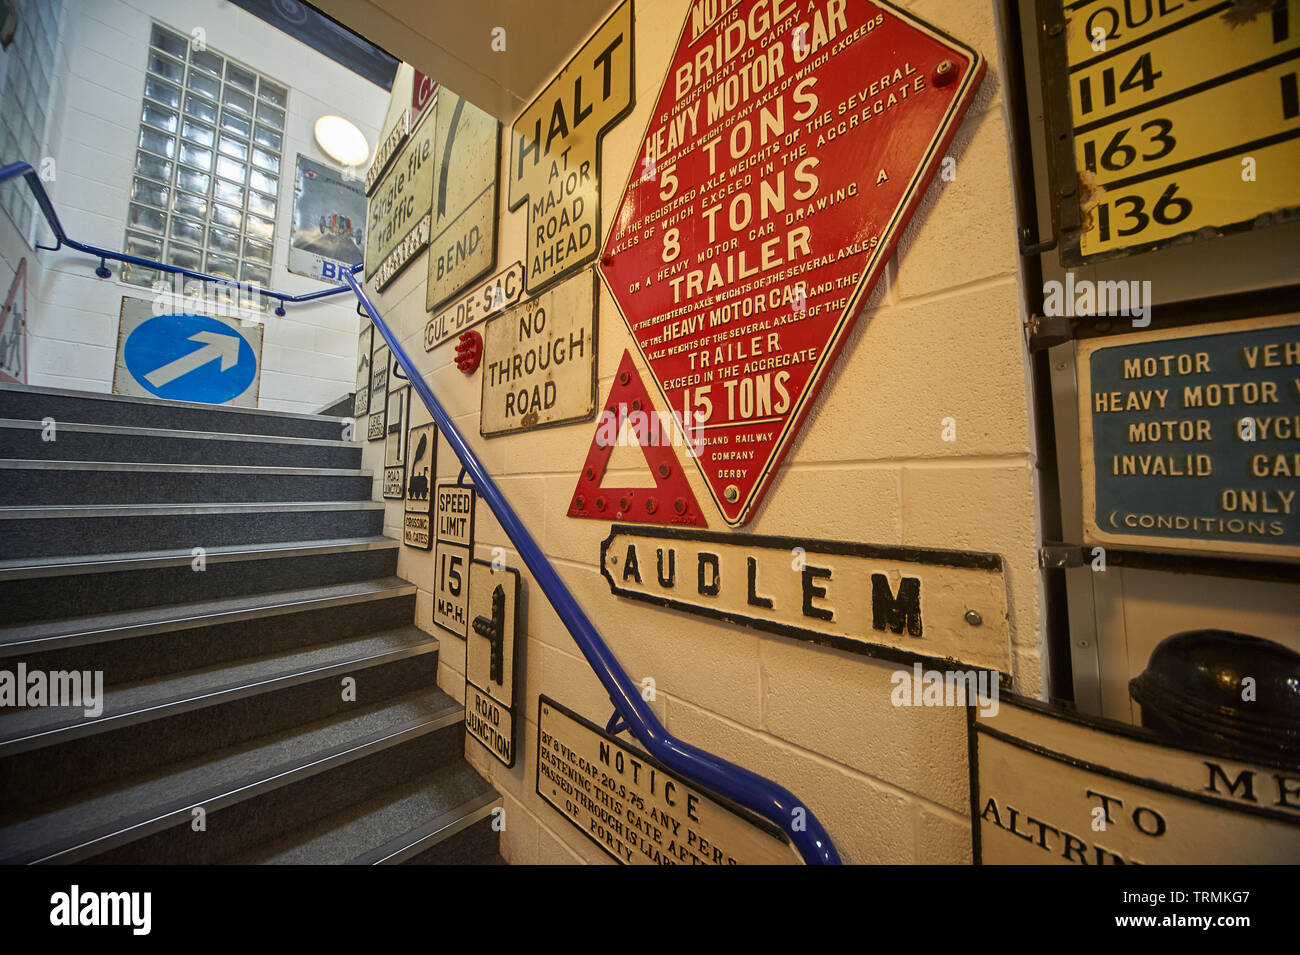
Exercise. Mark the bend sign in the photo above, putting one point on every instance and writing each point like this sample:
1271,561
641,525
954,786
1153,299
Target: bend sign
788,147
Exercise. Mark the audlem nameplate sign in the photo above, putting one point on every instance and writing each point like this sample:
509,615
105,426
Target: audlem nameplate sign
398,212
1191,438
788,147
1177,120
539,360
1050,788
900,603
635,809
555,152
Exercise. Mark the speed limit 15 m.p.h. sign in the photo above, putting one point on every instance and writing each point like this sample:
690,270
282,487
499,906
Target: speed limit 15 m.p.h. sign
788,147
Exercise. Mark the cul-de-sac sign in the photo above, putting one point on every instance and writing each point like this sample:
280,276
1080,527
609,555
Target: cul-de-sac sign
636,809
900,603
494,295
555,152
787,149
1191,438
1054,788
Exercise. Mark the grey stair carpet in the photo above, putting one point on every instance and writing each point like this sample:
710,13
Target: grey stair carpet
279,685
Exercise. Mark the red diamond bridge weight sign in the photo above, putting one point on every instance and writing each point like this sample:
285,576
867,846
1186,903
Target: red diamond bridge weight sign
789,146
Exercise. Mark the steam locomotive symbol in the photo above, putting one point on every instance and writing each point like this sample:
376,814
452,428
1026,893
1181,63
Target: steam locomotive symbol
417,489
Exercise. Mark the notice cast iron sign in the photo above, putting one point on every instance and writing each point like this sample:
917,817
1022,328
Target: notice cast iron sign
787,150
637,810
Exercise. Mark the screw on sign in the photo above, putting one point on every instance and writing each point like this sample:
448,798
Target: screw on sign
786,151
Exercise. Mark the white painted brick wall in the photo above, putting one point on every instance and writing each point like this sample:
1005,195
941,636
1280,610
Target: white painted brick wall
308,357
941,338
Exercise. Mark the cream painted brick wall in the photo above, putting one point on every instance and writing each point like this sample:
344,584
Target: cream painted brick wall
940,337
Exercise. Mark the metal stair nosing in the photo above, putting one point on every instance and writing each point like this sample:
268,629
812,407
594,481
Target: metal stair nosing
208,698
179,811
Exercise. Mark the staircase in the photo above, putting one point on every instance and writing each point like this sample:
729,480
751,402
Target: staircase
228,732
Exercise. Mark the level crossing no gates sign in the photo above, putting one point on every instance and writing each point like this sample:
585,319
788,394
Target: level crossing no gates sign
789,145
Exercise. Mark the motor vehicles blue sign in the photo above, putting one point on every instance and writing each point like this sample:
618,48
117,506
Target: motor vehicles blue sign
185,357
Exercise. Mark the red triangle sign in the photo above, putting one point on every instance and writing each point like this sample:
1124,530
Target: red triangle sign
757,220
630,412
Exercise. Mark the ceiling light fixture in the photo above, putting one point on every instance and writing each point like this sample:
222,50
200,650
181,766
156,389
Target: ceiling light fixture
342,141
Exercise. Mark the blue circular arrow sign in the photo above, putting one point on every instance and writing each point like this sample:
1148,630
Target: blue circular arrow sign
190,358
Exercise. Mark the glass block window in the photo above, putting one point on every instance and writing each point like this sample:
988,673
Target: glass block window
25,104
207,164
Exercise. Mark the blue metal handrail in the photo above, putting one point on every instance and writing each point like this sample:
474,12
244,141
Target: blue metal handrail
61,238
748,789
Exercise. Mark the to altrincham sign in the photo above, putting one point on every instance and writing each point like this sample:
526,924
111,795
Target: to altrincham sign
788,147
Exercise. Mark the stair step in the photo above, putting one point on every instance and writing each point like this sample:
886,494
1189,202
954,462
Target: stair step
65,405
236,785
29,483
174,693
22,439
47,587
90,529
396,825
49,635
172,720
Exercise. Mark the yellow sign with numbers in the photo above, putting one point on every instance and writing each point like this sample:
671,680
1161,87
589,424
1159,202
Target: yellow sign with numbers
1185,116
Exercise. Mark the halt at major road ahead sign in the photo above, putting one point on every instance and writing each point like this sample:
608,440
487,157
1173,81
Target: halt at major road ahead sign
555,152
185,357
490,658
787,149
